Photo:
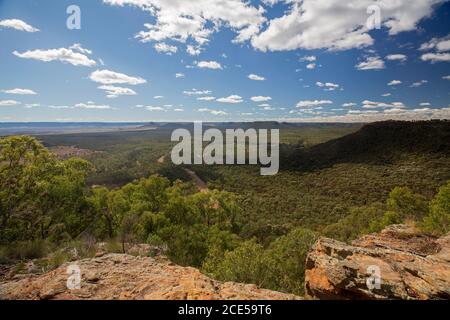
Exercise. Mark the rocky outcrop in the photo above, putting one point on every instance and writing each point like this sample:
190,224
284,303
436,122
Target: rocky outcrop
398,263
120,276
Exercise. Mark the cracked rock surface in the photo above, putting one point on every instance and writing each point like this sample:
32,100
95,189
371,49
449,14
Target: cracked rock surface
127,277
410,265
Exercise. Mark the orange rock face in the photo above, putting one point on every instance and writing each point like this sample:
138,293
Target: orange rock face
407,266
119,276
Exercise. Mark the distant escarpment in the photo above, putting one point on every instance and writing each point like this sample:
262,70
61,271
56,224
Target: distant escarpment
379,142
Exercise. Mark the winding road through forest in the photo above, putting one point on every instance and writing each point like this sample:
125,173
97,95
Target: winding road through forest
201,185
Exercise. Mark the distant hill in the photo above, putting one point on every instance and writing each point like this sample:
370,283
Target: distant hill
379,142
252,125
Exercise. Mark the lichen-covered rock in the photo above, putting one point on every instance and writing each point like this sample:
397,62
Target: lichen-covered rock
120,276
408,265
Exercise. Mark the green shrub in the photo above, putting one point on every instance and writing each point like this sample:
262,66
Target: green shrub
360,221
279,267
244,264
389,218
438,220
286,259
154,240
57,259
406,205
24,250
114,246
85,247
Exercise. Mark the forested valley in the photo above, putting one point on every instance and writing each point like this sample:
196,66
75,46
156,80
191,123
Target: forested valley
339,181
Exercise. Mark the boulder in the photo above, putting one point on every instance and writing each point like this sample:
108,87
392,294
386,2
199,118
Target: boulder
398,263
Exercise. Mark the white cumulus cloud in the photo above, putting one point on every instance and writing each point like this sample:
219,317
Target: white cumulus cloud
206,98
78,47
114,92
367,104
92,105
195,21
337,24
18,25
313,103
196,92
309,58
208,65
152,108
19,91
436,57
163,47
397,57
255,77
193,50
65,55
419,83
7,103
439,44
394,83
371,63
328,86
233,99
213,112
260,99
111,77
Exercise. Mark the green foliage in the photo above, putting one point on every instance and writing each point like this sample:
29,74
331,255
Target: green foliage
114,246
286,258
360,220
154,240
57,258
103,202
245,264
403,206
155,211
187,244
24,250
85,246
406,205
247,228
280,267
389,218
438,220
343,169
197,223
123,156
39,193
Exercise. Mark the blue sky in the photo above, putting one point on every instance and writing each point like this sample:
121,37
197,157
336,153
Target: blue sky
310,60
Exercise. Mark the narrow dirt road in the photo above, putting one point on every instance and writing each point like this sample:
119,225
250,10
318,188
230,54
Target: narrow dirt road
201,185
162,159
